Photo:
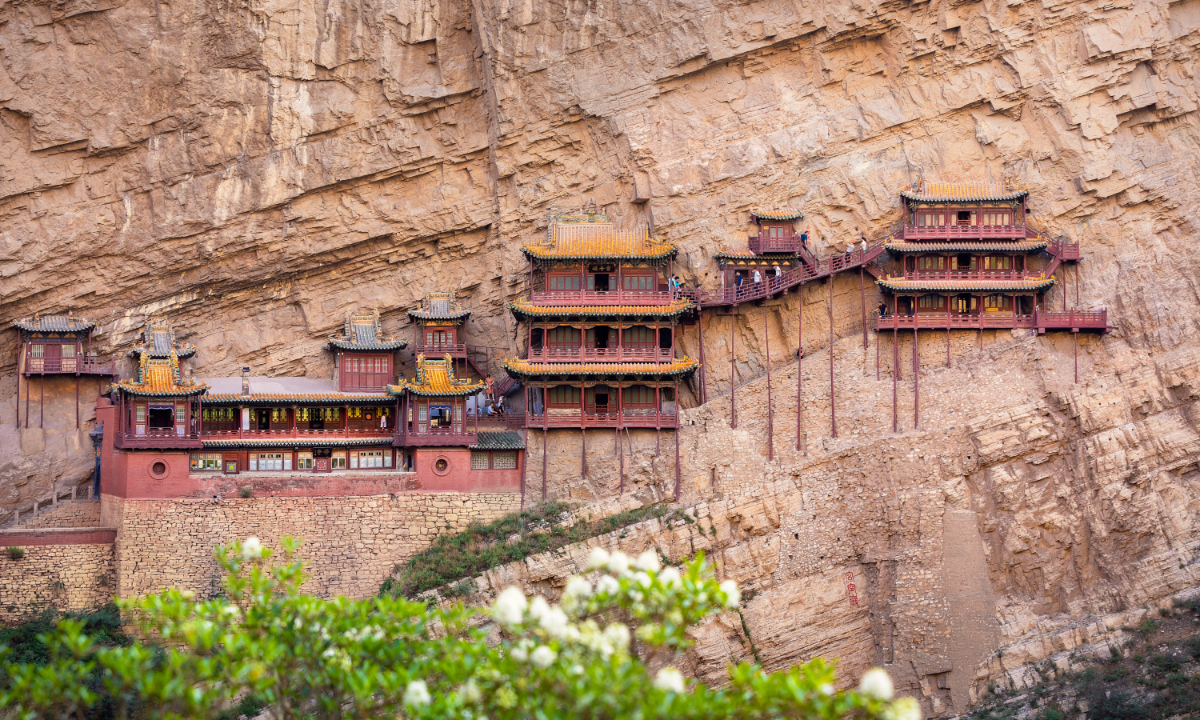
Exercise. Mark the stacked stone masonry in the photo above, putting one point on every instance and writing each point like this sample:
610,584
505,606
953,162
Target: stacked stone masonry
80,513
63,577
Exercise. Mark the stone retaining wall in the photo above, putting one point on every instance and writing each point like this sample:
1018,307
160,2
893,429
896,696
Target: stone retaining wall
65,577
350,543
79,513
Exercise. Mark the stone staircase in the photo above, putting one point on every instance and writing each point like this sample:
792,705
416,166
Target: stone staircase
64,508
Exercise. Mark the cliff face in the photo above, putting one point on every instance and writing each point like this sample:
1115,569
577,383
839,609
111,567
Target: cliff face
252,170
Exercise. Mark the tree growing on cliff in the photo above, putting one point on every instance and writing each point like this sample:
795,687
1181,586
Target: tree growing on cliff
391,657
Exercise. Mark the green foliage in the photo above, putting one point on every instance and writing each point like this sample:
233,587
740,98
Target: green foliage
15,553
511,538
247,492
1166,663
1148,627
1051,713
264,643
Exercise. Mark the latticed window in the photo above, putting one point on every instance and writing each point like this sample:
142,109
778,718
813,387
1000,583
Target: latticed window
638,335
270,461
997,262
479,461
931,262
638,395
777,232
206,461
504,460
932,219
564,282
562,337
932,302
563,395
304,461
338,460
995,302
639,282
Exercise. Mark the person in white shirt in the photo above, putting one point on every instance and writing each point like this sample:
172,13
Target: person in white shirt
757,277
777,273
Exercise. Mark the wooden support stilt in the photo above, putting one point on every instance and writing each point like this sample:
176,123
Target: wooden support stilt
876,356
545,450
677,472
862,293
583,453
948,298
621,461
832,411
1076,284
800,444
700,339
895,379
77,402
28,392
770,409
733,370
1075,333
42,401
916,382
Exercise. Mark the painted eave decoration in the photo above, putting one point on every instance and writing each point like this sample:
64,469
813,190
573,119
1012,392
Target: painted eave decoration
948,192
524,308
934,246
678,367
999,286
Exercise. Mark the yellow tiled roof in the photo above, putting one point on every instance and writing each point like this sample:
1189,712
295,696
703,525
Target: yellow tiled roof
525,307
963,192
160,376
436,377
677,366
597,241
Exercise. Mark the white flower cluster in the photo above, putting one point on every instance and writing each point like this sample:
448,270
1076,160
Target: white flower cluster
252,548
877,685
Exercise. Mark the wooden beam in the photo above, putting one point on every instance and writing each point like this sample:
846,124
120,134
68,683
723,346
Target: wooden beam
895,364
832,410
544,450
733,369
916,381
583,452
621,461
862,293
703,382
800,442
770,409
677,473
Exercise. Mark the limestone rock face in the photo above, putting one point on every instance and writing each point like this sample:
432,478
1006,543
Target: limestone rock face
254,170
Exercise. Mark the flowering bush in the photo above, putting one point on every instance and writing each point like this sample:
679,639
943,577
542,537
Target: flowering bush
391,657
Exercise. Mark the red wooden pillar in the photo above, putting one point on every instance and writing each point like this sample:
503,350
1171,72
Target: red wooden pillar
700,339
895,363
525,455
582,451
657,421
1075,334
677,441
800,376
733,369
862,293
77,399
544,451
948,329
916,380
620,461
770,409
42,400
832,410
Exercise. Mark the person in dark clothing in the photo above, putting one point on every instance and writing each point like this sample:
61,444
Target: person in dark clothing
737,279
804,239
882,309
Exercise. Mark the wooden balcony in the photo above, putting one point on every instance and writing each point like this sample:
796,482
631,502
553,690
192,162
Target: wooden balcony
1073,320
171,438
439,350
82,365
762,245
580,419
588,354
437,437
299,434
1005,275
961,232
601,297
500,422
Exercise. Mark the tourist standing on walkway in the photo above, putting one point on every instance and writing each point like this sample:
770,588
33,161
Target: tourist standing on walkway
757,277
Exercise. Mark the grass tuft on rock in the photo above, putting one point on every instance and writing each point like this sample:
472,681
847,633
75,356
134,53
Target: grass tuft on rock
464,555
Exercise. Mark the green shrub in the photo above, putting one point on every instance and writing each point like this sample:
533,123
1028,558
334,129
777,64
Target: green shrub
15,553
1051,713
1115,705
509,539
266,644
1165,663
247,492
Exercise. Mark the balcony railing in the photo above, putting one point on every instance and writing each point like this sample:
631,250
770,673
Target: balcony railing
761,244
299,434
171,437
578,418
441,349
601,297
1069,320
1006,275
82,365
944,232
437,437
622,354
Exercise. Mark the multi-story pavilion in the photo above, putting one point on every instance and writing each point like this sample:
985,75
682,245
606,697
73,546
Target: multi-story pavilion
970,260
601,323
55,345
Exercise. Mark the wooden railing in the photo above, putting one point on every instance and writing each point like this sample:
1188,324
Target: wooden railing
435,350
439,436
561,419
601,297
73,494
761,244
577,354
298,434
1068,320
82,364
1006,275
942,232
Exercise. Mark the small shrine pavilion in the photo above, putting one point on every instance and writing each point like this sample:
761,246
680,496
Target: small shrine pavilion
439,322
772,251
440,429
56,345
159,409
363,354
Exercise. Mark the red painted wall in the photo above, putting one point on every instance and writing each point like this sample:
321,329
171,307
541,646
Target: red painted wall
459,477
58,536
